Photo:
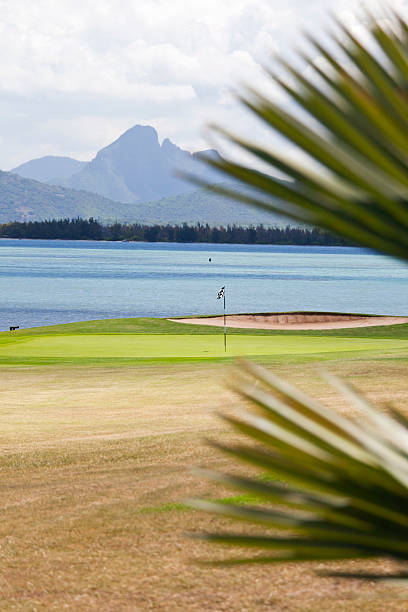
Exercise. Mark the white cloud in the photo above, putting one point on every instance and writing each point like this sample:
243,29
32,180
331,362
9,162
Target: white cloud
77,72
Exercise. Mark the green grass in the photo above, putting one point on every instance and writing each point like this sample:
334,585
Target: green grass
96,467
149,346
121,341
144,325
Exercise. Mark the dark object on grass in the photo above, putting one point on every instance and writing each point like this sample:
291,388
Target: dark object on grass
13,327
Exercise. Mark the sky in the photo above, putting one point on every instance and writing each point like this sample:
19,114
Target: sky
75,74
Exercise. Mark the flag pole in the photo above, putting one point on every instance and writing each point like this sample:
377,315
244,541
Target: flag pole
225,327
221,294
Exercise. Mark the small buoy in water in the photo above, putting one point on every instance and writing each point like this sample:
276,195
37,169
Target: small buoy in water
209,259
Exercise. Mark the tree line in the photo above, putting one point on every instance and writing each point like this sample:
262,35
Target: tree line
90,229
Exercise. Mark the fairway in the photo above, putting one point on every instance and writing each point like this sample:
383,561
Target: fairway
153,346
100,424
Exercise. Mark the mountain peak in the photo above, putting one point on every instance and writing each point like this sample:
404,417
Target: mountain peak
136,138
135,168
140,131
173,153
167,144
49,167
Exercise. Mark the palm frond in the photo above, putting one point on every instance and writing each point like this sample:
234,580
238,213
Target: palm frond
343,491
357,135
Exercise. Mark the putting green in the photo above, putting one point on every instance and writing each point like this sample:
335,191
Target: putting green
146,346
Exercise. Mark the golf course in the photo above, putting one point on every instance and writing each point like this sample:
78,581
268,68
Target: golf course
144,340
101,425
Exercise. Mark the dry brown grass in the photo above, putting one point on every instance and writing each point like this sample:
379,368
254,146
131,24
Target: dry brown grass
91,457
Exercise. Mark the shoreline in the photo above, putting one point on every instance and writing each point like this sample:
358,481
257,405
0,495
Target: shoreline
190,242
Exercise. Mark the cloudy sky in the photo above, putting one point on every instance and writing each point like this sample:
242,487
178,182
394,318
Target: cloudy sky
75,74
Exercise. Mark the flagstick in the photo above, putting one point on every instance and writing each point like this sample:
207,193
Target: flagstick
225,327
221,294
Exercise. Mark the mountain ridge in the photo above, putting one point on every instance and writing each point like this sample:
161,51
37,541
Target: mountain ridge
132,179
45,169
133,168
137,168
206,206
24,199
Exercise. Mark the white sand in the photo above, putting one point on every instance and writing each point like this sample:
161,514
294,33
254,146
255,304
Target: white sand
295,321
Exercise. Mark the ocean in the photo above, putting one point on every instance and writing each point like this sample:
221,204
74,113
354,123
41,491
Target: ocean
45,282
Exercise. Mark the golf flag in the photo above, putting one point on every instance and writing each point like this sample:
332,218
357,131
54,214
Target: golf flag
221,294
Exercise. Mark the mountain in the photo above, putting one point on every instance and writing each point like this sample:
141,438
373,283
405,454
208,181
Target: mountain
136,168
203,206
46,169
131,180
23,199
27,200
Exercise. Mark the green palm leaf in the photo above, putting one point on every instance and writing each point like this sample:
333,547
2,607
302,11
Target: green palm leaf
360,142
344,488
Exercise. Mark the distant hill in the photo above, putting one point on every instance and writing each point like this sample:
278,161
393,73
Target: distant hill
23,199
132,179
27,200
46,169
203,206
136,168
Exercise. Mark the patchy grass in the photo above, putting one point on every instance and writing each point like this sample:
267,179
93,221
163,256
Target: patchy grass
95,468
95,464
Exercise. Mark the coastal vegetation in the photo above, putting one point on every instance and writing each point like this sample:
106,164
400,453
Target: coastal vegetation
90,229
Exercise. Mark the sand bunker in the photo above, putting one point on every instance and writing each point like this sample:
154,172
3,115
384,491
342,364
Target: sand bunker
295,320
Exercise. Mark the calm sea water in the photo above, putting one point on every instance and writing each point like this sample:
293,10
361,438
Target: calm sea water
44,282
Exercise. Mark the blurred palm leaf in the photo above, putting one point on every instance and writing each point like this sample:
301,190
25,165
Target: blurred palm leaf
344,487
359,109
